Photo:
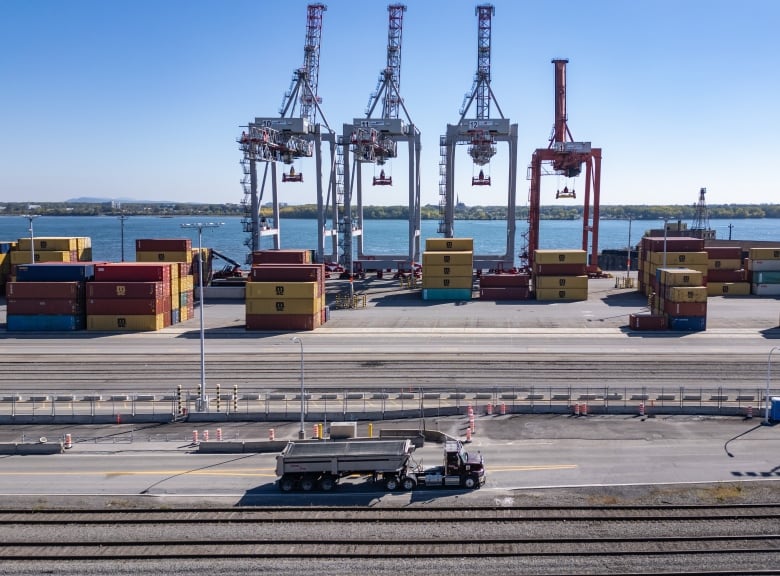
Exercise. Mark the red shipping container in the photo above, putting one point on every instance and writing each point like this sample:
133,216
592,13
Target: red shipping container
287,272
163,245
29,306
129,306
726,275
646,322
133,272
283,322
673,244
560,269
509,293
126,289
685,308
281,257
723,252
45,290
504,280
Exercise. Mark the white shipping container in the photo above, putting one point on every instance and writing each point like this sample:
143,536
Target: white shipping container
764,265
766,289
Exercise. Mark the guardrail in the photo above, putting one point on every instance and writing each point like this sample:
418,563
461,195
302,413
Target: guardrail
372,404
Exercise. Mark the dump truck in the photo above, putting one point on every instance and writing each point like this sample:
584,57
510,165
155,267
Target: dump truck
321,464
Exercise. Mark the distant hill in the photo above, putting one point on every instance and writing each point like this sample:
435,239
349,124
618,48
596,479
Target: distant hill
91,200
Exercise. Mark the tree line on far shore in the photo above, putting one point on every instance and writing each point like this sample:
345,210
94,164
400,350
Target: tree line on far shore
428,212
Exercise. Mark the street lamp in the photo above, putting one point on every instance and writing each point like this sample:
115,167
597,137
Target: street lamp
768,378
628,259
31,217
202,401
122,218
666,219
302,432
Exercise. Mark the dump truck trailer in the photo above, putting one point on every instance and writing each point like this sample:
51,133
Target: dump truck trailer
321,464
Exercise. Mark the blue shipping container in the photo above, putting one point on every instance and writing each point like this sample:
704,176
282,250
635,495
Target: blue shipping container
45,322
766,277
774,409
65,272
687,323
446,294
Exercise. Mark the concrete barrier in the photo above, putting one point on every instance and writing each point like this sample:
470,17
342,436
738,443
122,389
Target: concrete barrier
25,449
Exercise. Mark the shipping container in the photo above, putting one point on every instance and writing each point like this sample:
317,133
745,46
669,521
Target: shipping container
647,322
62,272
772,253
765,289
446,294
276,322
44,322
449,244
685,308
724,264
726,276
504,280
26,257
444,270
441,258
724,252
728,288
164,256
283,290
671,244
126,289
505,293
560,257
687,323
133,272
766,277
679,277
114,323
287,273
54,306
686,294
45,290
447,282
55,243
164,245
559,269
575,282
281,257
549,294
128,306
679,258
762,265
295,306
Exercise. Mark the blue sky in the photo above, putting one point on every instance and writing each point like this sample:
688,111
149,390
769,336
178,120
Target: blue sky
144,98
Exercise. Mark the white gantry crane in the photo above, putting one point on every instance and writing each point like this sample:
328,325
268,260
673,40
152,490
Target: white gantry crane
481,133
373,140
286,139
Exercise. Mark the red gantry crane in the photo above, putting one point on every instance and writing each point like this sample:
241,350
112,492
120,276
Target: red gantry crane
480,133
566,158
286,139
374,141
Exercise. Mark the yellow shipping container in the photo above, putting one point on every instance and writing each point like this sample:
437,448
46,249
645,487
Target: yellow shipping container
679,294
277,290
54,243
138,323
725,264
560,257
446,282
186,283
450,244
25,256
308,306
568,282
547,294
448,258
764,254
447,270
184,256
681,277
728,288
679,258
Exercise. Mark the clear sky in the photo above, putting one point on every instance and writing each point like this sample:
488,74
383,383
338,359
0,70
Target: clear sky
144,99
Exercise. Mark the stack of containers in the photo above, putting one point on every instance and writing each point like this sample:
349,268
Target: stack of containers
725,273
678,249
763,266
285,291
447,268
504,286
681,298
560,275
173,250
186,292
132,296
47,249
5,261
48,297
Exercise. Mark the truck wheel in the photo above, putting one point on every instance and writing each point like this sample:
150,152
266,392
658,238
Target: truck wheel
408,483
391,483
327,483
307,484
470,482
286,484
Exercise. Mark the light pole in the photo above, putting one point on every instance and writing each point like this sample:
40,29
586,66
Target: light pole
302,432
628,259
122,218
202,401
768,378
30,218
666,219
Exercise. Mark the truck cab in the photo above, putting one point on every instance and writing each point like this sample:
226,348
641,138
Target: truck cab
460,469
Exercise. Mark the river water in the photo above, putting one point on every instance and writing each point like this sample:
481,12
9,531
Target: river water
380,236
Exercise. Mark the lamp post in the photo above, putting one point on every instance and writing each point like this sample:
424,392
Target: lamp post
666,219
122,218
628,258
202,401
768,378
30,218
302,432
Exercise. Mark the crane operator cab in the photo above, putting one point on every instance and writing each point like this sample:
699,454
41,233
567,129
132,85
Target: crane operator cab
480,180
383,180
293,176
565,193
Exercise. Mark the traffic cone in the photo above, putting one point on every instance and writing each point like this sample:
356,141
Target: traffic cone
271,434
468,434
749,413
584,409
195,437
502,410
219,434
68,441
490,409
641,408
205,435
576,409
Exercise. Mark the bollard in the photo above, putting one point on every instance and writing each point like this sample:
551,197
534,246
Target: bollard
502,410
271,435
195,437
490,409
235,398
469,410
68,441
750,412
641,408
584,409
219,434
205,435
218,395
576,409
370,430
472,425
468,434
